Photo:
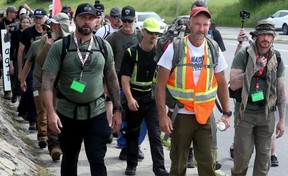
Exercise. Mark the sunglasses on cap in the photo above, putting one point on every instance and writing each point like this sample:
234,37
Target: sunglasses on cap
116,17
127,21
151,33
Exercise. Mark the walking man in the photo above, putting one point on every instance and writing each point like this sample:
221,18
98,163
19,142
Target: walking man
137,71
192,85
259,71
80,112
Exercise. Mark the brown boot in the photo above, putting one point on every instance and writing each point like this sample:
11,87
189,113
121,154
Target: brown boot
56,153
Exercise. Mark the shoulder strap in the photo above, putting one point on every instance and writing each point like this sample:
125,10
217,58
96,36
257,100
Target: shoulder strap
178,48
214,48
65,46
102,46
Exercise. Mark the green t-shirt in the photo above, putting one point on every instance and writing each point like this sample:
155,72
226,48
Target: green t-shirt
240,62
70,70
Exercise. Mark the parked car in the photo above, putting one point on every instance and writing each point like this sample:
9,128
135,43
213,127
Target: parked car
141,16
280,20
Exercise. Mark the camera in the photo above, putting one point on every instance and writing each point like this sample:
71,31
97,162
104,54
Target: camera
244,14
14,27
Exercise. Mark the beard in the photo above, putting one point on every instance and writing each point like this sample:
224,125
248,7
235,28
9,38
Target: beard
85,30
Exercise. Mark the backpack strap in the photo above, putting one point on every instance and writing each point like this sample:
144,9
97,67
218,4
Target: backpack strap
214,48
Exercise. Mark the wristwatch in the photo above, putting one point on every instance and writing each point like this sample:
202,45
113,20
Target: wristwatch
117,108
228,113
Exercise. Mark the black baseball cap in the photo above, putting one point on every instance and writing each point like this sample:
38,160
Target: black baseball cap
128,13
40,13
86,8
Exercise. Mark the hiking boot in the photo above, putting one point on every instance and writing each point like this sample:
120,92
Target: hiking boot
56,153
14,98
123,154
110,140
274,161
42,143
231,152
190,162
140,154
32,126
130,170
7,95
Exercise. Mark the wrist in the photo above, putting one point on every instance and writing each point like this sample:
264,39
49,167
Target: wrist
117,109
227,113
240,42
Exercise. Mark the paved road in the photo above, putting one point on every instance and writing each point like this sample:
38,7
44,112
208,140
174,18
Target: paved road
116,167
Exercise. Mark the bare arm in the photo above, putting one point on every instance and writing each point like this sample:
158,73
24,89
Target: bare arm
236,78
164,121
20,59
114,92
132,103
25,72
223,96
48,80
281,103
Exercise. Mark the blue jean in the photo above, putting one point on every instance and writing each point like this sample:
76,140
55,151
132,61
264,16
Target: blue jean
94,132
121,141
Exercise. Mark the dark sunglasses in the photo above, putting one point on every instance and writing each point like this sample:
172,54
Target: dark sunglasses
127,21
45,28
151,33
116,17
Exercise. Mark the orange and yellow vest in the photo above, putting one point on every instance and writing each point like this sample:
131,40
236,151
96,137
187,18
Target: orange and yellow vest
199,98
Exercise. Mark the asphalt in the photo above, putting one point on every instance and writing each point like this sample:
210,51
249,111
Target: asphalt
116,167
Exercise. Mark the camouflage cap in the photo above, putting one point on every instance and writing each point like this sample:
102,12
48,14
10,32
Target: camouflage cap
265,27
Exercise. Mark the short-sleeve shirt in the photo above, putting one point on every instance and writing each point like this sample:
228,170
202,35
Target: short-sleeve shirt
70,70
29,35
240,62
105,31
196,54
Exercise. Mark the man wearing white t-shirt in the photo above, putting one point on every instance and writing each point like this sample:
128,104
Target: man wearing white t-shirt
193,85
115,23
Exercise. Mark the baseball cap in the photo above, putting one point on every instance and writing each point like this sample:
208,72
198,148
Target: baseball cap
85,8
265,27
11,9
115,11
51,7
47,23
62,19
128,13
40,13
99,7
151,25
195,11
23,11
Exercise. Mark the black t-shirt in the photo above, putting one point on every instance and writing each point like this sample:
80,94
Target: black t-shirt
146,66
29,35
15,39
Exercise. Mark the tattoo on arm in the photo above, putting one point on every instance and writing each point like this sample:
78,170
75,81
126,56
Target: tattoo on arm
113,86
281,97
48,80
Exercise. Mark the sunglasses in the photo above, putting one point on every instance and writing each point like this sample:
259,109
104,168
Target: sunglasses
151,33
127,21
116,17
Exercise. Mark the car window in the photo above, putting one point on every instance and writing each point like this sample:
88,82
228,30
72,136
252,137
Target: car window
283,14
276,15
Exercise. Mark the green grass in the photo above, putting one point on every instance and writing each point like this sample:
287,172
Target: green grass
224,12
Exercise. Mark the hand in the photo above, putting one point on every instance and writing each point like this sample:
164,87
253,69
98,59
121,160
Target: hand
260,63
133,104
54,123
242,35
280,128
165,124
116,121
226,120
49,41
23,86
11,69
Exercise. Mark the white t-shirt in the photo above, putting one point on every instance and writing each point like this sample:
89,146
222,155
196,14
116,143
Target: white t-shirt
196,54
102,32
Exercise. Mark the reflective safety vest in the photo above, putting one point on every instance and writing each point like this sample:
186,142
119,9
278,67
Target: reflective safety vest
137,85
199,98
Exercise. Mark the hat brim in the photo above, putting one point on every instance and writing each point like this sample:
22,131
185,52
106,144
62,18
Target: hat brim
87,13
265,32
127,18
54,21
154,30
40,16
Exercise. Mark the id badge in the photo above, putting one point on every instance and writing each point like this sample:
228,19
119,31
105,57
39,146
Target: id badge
257,96
78,86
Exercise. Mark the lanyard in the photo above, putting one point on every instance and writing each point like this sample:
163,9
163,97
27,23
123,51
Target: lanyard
80,55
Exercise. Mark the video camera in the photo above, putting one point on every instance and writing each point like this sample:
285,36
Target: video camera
14,27
244,14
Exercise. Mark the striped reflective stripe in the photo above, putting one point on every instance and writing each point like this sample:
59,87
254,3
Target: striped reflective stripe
136,85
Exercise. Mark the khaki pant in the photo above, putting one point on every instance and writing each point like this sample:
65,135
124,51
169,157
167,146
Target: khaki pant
253,130
186,129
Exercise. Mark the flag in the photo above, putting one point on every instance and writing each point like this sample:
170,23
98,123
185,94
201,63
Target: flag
56,7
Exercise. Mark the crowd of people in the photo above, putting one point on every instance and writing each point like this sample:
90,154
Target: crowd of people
88,77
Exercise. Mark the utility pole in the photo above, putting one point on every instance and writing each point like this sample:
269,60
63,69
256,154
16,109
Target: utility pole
177,7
